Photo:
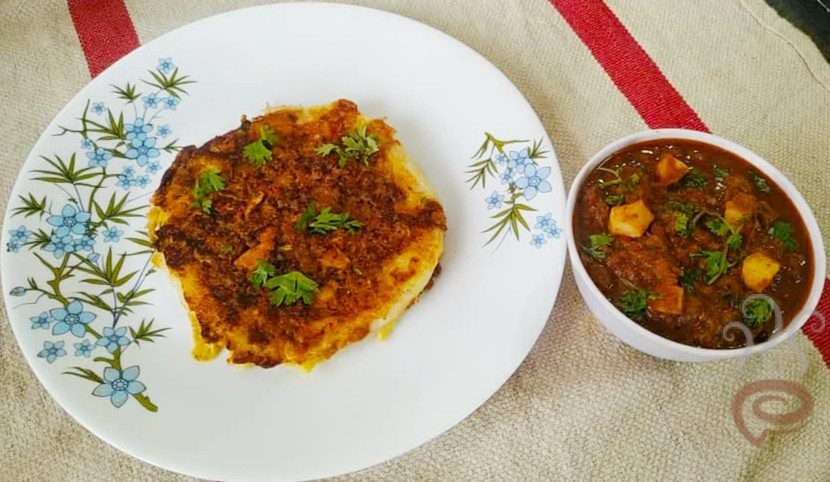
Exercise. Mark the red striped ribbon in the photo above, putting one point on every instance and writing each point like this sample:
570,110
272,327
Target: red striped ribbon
105,30
628,65
817,328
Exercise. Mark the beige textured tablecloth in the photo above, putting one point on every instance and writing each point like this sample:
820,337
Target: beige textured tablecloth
582,406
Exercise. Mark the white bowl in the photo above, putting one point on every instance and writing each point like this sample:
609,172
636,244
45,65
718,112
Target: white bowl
651,343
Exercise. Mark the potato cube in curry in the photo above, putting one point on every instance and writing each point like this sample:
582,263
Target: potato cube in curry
758,270
669,300
630,220
739,210
670,169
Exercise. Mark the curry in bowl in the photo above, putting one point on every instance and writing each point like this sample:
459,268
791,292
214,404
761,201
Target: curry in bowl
679,235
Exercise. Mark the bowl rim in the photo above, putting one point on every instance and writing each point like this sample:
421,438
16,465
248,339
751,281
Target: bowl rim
803,209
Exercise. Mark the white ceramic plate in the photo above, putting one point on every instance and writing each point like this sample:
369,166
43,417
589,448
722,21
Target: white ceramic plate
374,400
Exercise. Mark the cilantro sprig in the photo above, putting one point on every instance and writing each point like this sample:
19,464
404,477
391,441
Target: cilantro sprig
261,273
721,228
756,312
357,145
306,217
285,289
325,221
759,182
596,245
686,215
694,179
720,173
716,263
784,232
209,181
633,302
682,206
614,199
688,279
734,241
259,152
288,288
718,227
681,224
625,185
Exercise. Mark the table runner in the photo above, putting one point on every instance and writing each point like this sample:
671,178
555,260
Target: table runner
582,405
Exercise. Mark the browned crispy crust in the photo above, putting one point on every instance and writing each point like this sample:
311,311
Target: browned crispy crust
254,218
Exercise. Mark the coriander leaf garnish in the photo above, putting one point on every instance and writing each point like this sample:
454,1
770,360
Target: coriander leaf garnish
306,217
756,312
720,173
759,182
734,241
718,227
716,264
613,171
614,199
327,149
268,137
682,206
784,231
259,152
688,278
226,248
595,247
261,273
325,221
285,289
634,301
681,224
685,217
356,145
291,287
625,185
208,181
361,145
694,178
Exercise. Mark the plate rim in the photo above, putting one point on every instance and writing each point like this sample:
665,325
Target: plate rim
561,250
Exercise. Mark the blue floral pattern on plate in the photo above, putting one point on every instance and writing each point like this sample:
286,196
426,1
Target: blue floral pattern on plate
89,292
84,348
52,351
523,178
119,385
